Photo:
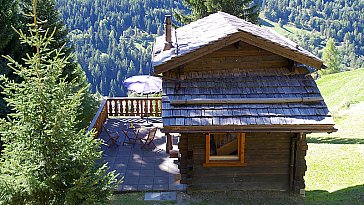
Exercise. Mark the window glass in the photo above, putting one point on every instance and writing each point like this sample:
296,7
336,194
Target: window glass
224,146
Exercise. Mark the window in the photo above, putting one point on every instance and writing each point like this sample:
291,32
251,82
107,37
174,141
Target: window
225,149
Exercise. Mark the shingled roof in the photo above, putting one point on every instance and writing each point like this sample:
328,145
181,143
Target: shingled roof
204,32
310,115
237,98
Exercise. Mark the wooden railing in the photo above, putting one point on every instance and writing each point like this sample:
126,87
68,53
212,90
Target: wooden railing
99,118
126,107
138,106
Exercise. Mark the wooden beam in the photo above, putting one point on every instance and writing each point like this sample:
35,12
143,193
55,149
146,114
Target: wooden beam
291,66
245,101
169,145
252,128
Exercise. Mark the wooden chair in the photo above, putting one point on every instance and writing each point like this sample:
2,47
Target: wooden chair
128,139
150,138
113,136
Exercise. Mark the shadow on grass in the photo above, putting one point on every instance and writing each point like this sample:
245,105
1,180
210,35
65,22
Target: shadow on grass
286,29
334,140
351,195
265,23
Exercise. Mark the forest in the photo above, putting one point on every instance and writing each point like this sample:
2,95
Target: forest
114,39
341,20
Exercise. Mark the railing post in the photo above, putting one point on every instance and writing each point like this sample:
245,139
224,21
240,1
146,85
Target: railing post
108,107
145,101
118,107
152,109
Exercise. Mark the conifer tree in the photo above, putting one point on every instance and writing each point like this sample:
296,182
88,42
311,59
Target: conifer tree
46,10
331,58
46,159
245,9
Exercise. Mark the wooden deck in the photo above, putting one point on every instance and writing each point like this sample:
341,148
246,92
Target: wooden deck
144,169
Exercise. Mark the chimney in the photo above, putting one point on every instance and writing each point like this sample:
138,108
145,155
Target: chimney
168,33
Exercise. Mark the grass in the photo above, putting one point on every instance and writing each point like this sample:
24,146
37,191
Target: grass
136,198
348,160
231,197
344,95
335,162
287,30
342,89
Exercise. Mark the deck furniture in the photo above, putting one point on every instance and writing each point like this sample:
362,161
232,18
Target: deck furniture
112,136
150,138
131,134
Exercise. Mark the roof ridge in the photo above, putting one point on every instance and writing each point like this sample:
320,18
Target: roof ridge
228,17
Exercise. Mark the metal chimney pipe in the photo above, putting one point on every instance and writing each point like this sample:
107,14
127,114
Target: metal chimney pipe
168,33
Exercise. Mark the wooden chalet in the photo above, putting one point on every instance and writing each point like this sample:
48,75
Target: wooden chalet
243,100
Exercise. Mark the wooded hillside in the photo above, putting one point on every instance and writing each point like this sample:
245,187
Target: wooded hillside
341,20
114,39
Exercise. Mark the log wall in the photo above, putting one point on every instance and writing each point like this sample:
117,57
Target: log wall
239,56
267,156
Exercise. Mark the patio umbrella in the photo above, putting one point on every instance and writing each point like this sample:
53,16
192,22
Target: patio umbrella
144,84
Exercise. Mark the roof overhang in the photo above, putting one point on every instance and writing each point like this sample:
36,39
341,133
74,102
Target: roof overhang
252,128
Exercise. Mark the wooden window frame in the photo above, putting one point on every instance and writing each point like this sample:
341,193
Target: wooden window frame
225,163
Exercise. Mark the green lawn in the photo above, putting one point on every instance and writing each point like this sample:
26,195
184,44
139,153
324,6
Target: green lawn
335,172
335,162
344,95
342,89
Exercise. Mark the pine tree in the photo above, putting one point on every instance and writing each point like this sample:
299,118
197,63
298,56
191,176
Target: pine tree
46,159
331,58
245,9
48,13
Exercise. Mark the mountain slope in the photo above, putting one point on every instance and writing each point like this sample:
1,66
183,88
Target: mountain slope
114,39
341,20
344,95
343,89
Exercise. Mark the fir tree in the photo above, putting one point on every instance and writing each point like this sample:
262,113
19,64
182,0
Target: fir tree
46,10
245,9
46,159
331,58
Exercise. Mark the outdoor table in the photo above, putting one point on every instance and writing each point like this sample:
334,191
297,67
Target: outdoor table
134,130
